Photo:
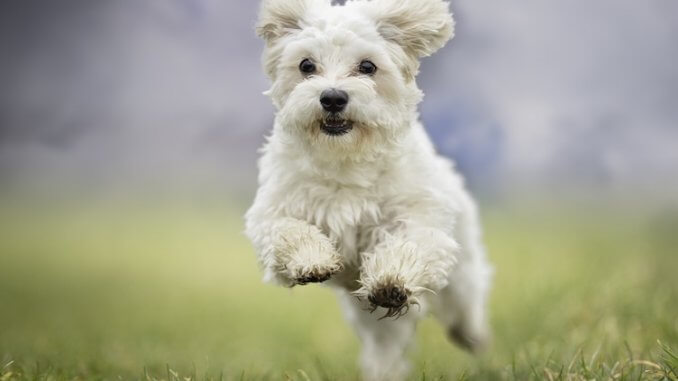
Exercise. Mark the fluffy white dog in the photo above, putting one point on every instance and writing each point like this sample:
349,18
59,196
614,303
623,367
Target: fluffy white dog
352,192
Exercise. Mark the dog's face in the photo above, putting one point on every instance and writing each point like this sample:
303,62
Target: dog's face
343,76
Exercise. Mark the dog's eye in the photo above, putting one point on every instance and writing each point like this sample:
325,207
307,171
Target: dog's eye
307,66
367,67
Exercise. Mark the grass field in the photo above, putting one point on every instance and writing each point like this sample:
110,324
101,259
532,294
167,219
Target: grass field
117,291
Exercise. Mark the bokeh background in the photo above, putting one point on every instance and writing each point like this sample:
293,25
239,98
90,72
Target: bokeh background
128,144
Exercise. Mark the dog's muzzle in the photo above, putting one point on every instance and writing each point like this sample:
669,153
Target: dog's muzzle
335,125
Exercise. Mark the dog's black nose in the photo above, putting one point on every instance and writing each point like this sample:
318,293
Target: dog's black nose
334,100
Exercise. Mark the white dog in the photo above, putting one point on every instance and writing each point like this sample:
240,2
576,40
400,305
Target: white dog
352,192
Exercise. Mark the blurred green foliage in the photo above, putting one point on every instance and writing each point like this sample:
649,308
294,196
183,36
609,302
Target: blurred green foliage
171,291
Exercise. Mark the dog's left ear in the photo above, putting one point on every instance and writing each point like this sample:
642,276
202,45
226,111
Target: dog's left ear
278,18
420,27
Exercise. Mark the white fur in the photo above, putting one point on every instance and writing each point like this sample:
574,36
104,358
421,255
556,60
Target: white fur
375,208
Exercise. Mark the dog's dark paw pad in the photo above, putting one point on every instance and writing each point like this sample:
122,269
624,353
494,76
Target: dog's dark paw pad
389,296
314,277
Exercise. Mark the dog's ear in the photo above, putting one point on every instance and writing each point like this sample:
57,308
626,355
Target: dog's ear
421,27
278,18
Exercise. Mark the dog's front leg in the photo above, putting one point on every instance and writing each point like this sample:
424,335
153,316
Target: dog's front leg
293,252
404,264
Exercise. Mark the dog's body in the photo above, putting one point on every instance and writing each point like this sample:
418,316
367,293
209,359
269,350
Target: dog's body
351,191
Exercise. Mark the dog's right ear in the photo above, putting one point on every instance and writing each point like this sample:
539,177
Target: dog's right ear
278,18
421,27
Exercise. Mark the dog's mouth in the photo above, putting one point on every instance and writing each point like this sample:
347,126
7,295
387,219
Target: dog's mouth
334,125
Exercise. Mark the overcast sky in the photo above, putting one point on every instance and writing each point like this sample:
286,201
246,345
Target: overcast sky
169,92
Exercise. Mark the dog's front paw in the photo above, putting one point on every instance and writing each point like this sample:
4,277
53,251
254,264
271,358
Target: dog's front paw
390,293
303,254
304,273
315,275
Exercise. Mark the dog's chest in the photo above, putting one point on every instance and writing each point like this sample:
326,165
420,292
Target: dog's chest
343,213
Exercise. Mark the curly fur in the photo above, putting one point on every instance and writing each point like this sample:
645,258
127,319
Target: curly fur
375,213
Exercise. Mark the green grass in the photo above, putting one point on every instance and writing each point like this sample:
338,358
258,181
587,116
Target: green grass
97,291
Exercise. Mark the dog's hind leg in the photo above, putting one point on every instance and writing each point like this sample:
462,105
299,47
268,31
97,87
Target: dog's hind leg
461,306
385,341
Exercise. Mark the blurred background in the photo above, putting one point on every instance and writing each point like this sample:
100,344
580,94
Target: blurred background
128,142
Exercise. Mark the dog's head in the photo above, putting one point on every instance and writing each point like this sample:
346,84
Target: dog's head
344,76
